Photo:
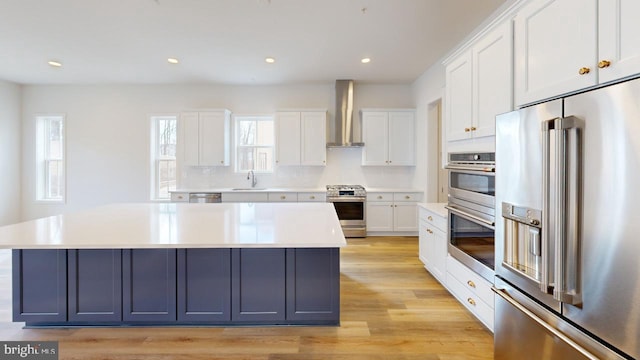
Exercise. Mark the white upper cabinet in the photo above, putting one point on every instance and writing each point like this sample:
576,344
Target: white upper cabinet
205,138
618,45
479,85
313,149
301,138
389,137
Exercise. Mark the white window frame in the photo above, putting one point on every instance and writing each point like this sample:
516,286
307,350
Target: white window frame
44,159
156,158
237,146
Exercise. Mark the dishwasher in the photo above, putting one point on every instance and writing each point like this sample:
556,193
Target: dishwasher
205,198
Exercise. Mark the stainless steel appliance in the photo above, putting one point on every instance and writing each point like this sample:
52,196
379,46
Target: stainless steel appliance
471,210
567,229
205,197
349,201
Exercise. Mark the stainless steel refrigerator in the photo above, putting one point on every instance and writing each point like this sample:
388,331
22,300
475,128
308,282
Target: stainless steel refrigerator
567,227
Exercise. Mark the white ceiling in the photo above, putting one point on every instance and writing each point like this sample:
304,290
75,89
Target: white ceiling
226,41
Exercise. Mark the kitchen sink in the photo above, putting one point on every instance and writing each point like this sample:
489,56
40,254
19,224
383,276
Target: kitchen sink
245,189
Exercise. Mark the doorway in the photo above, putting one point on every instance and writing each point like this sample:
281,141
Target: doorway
437,152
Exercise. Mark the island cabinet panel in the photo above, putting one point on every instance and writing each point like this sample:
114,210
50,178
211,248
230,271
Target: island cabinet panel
313,284
258,285
95,285
39,285
149,285
204,285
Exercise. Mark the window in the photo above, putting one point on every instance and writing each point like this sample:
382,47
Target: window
50,172
254,143
163,156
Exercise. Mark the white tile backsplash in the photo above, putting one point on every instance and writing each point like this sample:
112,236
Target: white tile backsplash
343,167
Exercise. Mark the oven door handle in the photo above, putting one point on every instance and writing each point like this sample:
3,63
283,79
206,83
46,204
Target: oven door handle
469,216
350,199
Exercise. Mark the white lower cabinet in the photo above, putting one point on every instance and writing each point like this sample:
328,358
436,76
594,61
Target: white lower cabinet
433,243
283,196
473,291
179,197
312,196
389,212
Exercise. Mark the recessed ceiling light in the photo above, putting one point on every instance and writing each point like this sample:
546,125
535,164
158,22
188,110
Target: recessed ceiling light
172,60
54,63
365,60
269,60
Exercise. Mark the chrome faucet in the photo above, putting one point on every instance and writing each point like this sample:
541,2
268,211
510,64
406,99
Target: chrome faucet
252,176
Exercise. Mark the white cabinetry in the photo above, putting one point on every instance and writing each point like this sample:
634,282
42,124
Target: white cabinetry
312,196
392,212
562,46
389,137
283,196
205,138
618,45
433,243
179,197
471,290
301,138
479,85
555,48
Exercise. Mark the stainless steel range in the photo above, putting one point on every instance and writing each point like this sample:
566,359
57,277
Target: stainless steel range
349,201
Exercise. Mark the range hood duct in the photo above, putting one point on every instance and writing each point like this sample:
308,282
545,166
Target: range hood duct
341,129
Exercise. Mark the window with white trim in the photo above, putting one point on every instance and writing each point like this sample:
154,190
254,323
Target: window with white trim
254,139
163,156
50,162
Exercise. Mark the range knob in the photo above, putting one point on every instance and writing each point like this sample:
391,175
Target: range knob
476,157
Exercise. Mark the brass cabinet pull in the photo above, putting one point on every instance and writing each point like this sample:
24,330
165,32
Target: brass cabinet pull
180,197
584,71
379,196
473,128
407,197
429,218
312,197
221,161
471,283
282,197
471,301
430,231
467,129
604,63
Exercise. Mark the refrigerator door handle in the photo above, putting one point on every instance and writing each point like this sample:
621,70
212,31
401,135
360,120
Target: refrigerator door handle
567,180
504,295
546,285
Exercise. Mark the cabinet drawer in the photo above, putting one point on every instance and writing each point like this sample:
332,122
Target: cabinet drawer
408,196
283,197
471,301
381,196
475,284
180,197
433,219
312,197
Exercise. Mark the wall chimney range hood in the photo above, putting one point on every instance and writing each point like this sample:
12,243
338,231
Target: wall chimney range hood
341,129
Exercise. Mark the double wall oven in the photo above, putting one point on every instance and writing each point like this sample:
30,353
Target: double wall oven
471,210
350,204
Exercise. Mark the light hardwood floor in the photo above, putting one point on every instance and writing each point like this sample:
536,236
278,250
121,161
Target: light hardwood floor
392,308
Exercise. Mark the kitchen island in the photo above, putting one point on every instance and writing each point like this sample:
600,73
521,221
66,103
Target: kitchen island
178,265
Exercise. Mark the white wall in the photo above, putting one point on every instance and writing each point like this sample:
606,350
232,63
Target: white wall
107,133
427,90
10,131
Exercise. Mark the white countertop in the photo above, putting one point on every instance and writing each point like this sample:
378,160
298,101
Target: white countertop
437,208
182,225
239,190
